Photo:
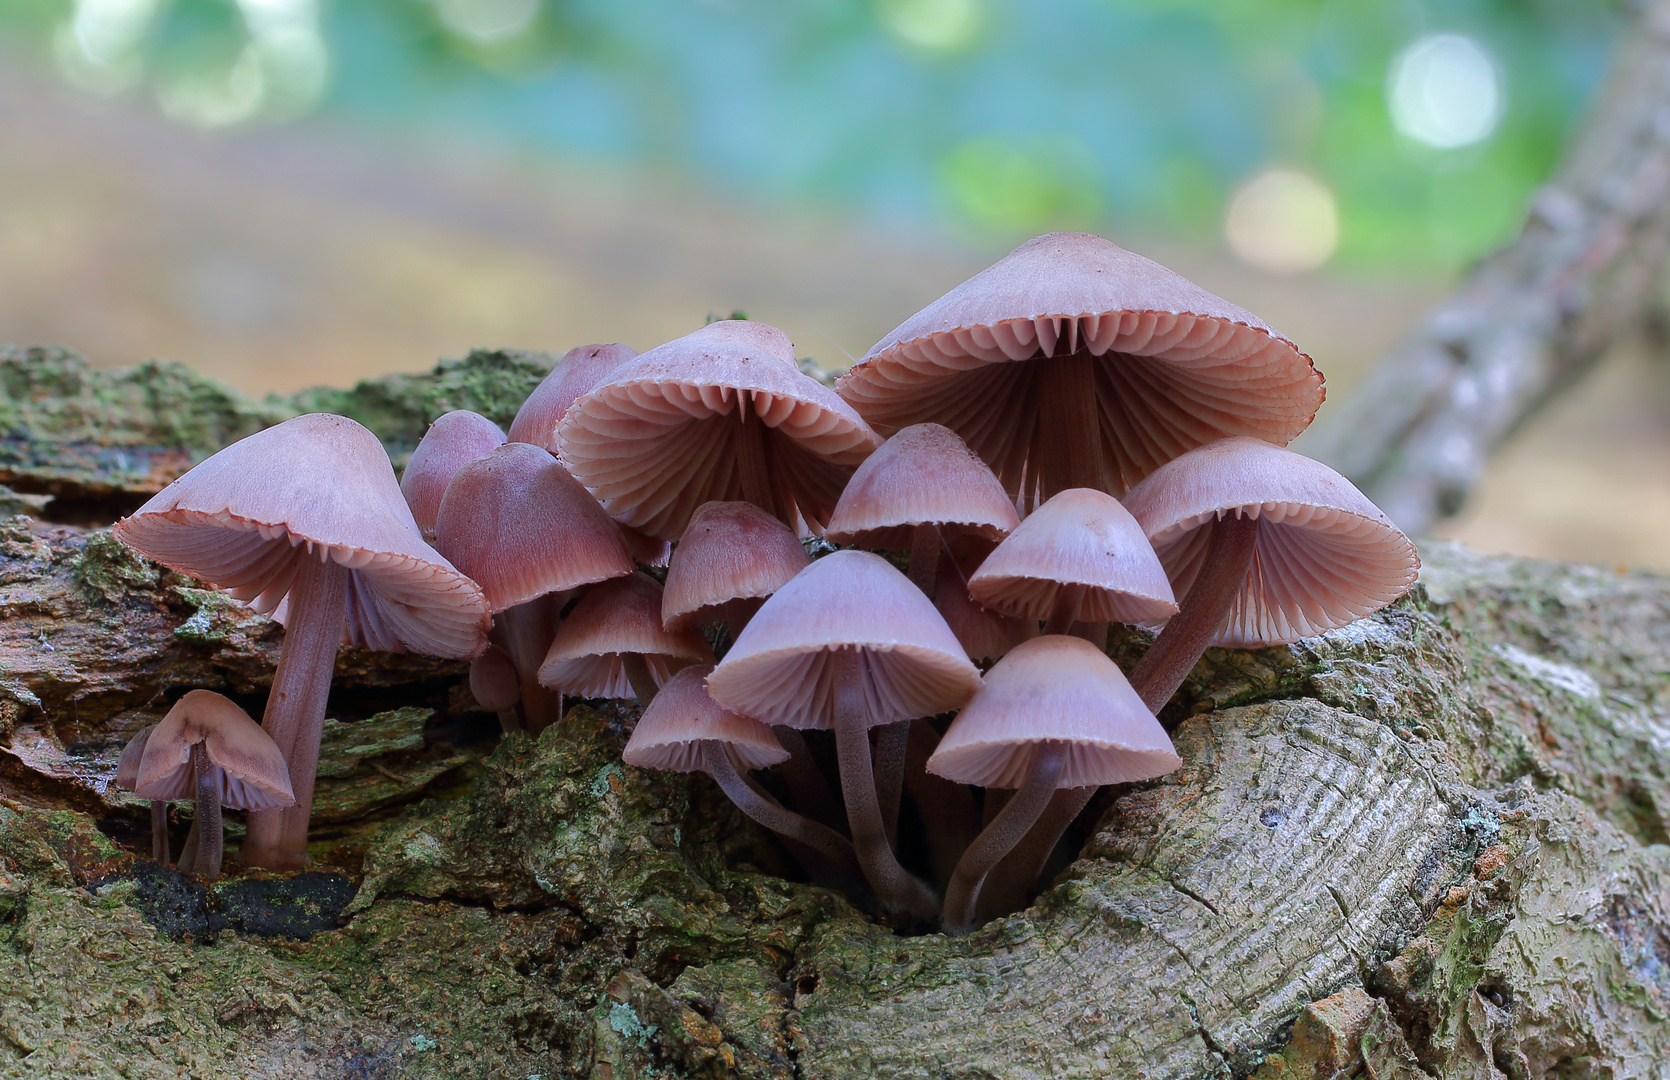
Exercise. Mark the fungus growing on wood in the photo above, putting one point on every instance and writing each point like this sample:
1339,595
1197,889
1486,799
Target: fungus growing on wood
612,645
496,686
127,775
208,750
305,520
458,437
731,557
1072,362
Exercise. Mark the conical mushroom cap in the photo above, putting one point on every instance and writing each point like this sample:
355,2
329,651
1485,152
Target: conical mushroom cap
518,524
1080,537
924,475
984,634
127,769
577,374
622,615
1326,556
316,486
730,551
252,773
780,671
1054,689
494,682
682,717
1177,366
455,438
659,438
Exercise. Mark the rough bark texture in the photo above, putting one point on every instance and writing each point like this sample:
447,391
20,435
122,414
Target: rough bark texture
1431,843
1532,318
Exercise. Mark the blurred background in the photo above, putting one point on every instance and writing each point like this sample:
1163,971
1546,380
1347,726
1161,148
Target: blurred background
289,192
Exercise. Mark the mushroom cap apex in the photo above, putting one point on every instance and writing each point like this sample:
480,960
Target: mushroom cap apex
924,475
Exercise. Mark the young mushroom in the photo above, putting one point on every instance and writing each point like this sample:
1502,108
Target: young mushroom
457,437
612,645
731,557
496,686
209,750
1265,546
850,644
305,520
1053,714
127,775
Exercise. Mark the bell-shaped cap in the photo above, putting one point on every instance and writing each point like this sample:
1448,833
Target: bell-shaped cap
682,717
1054,689
1176,366
985,635
518,524
455,438
250,771
729,551
924,475
1080,537
619,617
1325,556
494,682
577,374
780,669
659,438
127,768
316,486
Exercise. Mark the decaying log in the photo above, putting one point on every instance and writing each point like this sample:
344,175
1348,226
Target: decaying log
1532,318
1432,843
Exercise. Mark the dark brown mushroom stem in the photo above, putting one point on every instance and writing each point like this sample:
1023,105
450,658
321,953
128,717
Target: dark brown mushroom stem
719,762
638,674
159,831
207,811
949,816
751,462
1067,411
924,557
1006,830
1229,555
892,741
806,781
295,714
528,629
895,887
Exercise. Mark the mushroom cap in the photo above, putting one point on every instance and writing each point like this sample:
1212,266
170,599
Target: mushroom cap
518,524
658,439
780,671
985,634
1325,556
574,376
315,486
1177,367
619,616
729,551
1060,689
455,438
494,682
127,769
1079,537
924,475
670,733
252,774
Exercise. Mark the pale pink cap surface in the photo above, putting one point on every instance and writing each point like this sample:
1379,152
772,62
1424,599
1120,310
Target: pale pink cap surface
780,671
452,440
316,486
1178,366
253,775
1326,555
1079,537
521,527
682,717
924,475
729,551
577,374
657,440
127,769
1060,689
622,615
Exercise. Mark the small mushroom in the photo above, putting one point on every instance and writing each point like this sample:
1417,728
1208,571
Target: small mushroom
1055,713
731,557
127,775
497,687
457,437
612,645
209,750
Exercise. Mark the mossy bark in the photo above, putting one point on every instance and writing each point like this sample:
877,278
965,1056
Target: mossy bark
1431,843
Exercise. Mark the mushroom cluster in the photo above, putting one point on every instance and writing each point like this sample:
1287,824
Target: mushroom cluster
1075,437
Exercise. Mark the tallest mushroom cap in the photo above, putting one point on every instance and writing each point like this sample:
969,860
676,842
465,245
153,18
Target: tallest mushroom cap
1180,367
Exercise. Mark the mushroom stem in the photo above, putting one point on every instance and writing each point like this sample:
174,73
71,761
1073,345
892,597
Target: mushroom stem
638,674
998,838
1229,556
719,763
806,780
1010,885
751,457
895,887
924,558
295,714
949,815
891,741
528,630
1068,599
207,808
159,831
1072,431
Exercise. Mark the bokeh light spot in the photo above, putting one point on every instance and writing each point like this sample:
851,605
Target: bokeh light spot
1445,91
936,25
1284,221
486,21
98,48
